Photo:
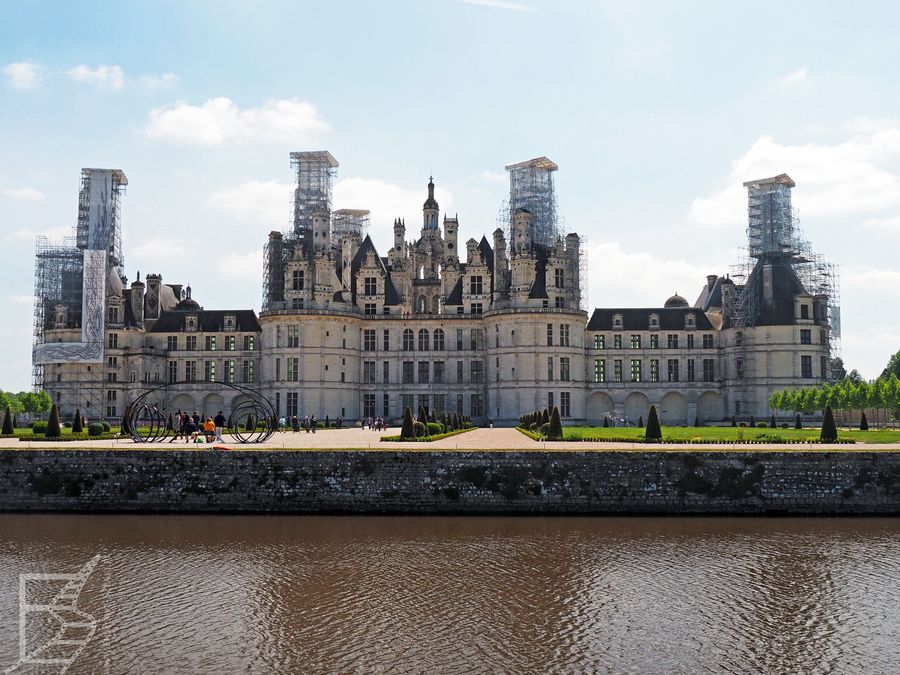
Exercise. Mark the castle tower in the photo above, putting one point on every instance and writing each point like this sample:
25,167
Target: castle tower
430,209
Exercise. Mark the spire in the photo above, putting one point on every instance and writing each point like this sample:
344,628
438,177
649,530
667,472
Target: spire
430,208
431,202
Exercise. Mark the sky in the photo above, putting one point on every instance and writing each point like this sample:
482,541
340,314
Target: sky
656,112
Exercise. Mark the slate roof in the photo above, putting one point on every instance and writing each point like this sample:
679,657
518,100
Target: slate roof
785,285
455,297
209,320
671,318
391,296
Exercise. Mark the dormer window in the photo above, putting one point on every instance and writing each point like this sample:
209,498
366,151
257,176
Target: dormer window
190,323
654,321
689,321
617,321
229,322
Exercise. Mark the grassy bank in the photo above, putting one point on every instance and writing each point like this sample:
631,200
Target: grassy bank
726,435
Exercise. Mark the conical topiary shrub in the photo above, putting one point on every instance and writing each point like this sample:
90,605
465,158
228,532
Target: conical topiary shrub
555,433
752,421
641,421
863,422
772,423
545,417
605,422
77,428
53,430
733,421
653,433
829,428
8,423
407,431
697,422
797,423
423,416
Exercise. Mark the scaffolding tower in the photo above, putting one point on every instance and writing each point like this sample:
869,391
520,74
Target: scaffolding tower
314,173
349,222
531,188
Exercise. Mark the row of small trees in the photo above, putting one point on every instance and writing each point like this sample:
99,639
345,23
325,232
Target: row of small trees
882,394
52,427
431,425
546,422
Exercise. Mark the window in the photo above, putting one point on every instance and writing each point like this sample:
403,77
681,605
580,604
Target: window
112,361
386,372
190,343
673,370
804,313
249,342
459,339
370,309
654,370
549,367
293,403
229,343
132,376
559,278
617,370
368,405
563,335
477,372
459,372
690,370
549,334
385,405
599,370
476,285
672,340
564,368
476,405
690,341
439,372
617,321
297,280
113,315
229,371
823,362
565,404
599,342
407,372
739,368
459,404
477,340
805,336
709,370
190,371
293,369
172,343
249,371
476,308
112,377
209,371
369,340
408,340
293,336
806,366
111,395
297,303
173,371
707,341
739,338
635,341
460,309
549,400
111,411
386,339
617,342
560,302
370,286
636,370
424,368
439,339
654,341
113,341
423,340
423,402
368,372
409,402
210,343
440,404
277,370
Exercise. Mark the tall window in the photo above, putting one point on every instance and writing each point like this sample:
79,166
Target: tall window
707,341
229,371
424,368
292,403
565,404
190,343
563,335
549,367
113,341
293,368
459,372
617,342
477,340
277,370
370,286
709,370
459,339
599,370
635,341
439,339
173,371
369,340
550,401
293,336
249,371
229,343
440,403
172,343
209,371
806,365
249,343
654,341
370,309
477,372
739,368
368,372
297,280
476,285
673,370
549,334
408,372
423,340
190,371
636,370
386,372
408,340
617,370
439,372
564,368
672,340
690,341
368,405
654,370
409,402
805,336
476,308
691,375
559,278
386,341
599,342
476,405
560,302
210,343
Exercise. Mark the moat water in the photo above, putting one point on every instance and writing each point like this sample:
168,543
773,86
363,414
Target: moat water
284,594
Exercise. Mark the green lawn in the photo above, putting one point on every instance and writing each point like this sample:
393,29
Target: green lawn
726,434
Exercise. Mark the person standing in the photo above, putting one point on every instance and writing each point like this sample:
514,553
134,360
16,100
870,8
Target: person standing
313,423
220,425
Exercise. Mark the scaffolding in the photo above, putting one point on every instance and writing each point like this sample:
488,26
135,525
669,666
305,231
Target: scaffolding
531,188
314,173
349,222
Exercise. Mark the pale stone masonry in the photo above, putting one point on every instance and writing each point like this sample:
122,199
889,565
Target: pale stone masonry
492,331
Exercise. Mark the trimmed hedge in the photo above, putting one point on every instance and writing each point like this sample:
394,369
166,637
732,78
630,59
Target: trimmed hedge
427,439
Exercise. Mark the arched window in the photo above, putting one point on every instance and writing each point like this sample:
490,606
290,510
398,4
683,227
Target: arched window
423,304
423,340
132,376
439,339
408,340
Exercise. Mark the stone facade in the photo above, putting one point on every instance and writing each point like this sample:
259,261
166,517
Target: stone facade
451,482
493,331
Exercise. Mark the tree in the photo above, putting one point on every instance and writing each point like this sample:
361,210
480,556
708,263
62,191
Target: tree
854,376
863,422
35,402
76,422
641,421
797,423
545,417
829,429
653,431
893,366
53,430
605,422
733,421
838,371
7,422
555,433
407,430
423,416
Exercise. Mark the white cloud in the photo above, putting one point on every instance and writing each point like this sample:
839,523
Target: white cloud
156,249
499,4
260,201
795,77
105,77
158,81
870,280
494,176
25,194
28,234
883,224
851,177
243,266
21,299
221,120
24,74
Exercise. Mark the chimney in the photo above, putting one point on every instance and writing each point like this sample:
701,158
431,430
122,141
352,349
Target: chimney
711,280
137,300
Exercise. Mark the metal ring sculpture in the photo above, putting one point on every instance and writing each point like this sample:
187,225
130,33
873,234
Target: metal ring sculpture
252,420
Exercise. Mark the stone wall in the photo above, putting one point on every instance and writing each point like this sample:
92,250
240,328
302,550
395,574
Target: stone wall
450,482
